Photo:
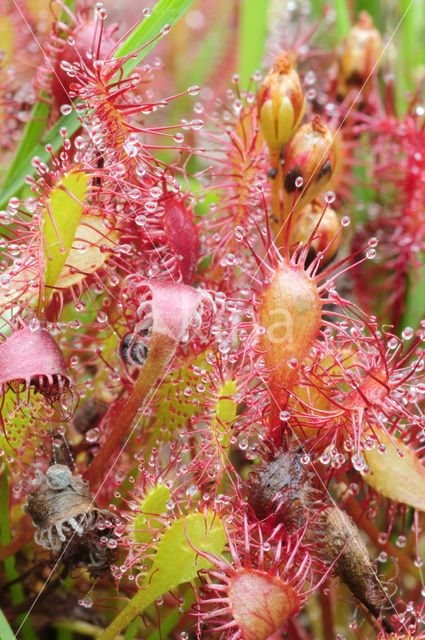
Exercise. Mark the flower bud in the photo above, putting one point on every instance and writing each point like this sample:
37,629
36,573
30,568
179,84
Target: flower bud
291,314
309,164
326,238
280,104
360,56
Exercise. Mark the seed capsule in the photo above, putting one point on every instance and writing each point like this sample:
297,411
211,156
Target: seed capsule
326,237
280,104
68,521
310,160
360,56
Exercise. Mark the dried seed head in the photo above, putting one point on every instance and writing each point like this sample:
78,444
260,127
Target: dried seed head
61,505
282,487
310,160
280,104
360,57
345,548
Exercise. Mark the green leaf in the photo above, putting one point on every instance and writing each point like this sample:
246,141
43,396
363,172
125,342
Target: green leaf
154,503
25,631
61,219
343,22
32,134
176,561
6,632
38,119
17,422
225,413
414,310
251,38
164,12
132,629
410,60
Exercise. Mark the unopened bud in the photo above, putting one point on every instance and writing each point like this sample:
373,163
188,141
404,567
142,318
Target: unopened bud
309,165
360,56
326,237
291,314
280,104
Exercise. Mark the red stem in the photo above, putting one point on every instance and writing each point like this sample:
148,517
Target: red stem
18,541
161,350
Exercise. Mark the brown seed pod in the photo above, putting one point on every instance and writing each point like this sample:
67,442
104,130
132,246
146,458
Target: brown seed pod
61,505
345,549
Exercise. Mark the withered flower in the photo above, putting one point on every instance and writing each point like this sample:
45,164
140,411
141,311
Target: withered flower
67,519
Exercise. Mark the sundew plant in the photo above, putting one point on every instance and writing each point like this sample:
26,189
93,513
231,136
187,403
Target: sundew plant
212,320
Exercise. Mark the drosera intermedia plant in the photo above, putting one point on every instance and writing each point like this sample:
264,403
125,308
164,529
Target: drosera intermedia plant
211,418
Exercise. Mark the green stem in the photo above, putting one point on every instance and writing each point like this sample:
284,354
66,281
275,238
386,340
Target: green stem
137,604
16,591
343,23
6,632
171,621
251,40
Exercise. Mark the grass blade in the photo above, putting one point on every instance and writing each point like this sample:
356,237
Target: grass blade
38,119
343,22
252,35
6,632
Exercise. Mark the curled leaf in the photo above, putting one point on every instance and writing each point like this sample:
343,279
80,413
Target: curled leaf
60,221
33,358
89,250
397,474
29,356
182,236
170,310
